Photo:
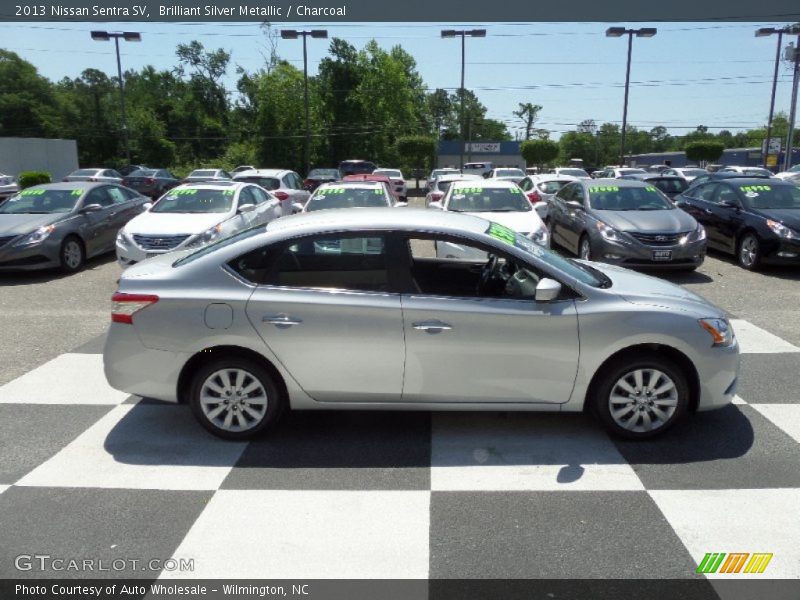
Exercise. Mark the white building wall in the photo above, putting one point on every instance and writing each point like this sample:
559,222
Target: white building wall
57,157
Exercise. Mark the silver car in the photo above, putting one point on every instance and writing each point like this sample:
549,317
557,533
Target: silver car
8,186
349,309
63,224
95,174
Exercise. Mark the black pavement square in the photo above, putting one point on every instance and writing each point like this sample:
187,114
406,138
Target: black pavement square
93,346
93,524
338,451
34,433
731,448
540,535
769,378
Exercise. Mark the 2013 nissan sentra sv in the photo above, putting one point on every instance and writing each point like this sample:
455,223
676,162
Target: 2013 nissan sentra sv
352,309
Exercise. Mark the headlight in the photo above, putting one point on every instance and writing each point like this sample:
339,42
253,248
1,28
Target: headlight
720,329
540,236
698,235
782,231
609,233
122,239
37,237
208,236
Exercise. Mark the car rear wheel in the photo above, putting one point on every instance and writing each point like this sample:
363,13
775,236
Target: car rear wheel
72,255
749,254
235,398
641,397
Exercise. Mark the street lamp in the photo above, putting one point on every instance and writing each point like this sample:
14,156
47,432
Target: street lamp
128,36
645,32
293,34
766,32
463,33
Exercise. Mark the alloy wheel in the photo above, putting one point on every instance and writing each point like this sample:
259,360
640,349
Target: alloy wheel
643,400
73,254
748,251
233,400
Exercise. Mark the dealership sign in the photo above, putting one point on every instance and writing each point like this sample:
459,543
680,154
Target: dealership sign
487,147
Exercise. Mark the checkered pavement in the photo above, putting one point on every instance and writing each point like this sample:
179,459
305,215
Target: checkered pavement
88,471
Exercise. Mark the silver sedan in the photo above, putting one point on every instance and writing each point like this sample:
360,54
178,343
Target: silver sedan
350,309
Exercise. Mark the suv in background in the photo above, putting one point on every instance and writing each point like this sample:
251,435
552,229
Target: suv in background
285,185
356,167
477,168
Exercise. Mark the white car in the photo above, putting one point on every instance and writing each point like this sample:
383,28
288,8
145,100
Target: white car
192,215
494,200
507,173
477,168
540,189
576,172
792,172
688,173
397,179
747,171
436,173
8,186
351,194
285,185
442,184
104,175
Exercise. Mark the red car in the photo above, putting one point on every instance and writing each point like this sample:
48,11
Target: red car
369,177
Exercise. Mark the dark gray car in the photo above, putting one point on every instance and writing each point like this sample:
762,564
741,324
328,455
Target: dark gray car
625,222
63,224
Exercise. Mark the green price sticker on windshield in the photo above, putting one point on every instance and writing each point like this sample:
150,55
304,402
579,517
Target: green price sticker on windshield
332,190
228,192
756,188
378,192
468,190
502,233
31,192
184,192
599,189
650,188
77,192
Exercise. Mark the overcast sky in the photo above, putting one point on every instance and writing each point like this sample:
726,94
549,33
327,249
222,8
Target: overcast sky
713,74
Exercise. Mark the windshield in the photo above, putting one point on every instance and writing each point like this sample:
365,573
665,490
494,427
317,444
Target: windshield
490,199
694,172
613,197
757,171
85,172
573,172
268,183
347,197
631,171
771,196
195,200
202,173
551,187
143,173
41,202
670,186
389,173
508,173
576,270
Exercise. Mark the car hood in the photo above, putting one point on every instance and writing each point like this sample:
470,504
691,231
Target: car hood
638,288
648,221
19,224
788,216
524,222
150,223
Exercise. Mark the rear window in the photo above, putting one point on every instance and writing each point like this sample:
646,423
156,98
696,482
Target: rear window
347,197
85,172
672,186
551,187
357,168
268,183
202,173
143,173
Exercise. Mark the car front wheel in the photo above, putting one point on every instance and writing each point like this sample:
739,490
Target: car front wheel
235,398
749,254
641,397
72,255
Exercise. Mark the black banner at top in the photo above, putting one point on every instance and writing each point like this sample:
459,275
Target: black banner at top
298,11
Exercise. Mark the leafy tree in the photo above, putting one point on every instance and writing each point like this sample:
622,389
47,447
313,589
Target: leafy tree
28,105
416,151
704,151
528,112
538,152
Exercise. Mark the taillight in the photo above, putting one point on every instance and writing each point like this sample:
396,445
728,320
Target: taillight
308,182
534,197
149,181
281,195
124,306
436,196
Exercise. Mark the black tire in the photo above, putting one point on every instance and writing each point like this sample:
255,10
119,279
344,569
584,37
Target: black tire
750,260
72,255
584,240
618,369
274,406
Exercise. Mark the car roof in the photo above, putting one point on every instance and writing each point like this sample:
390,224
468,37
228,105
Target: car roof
760,181
457,176
552,177
353,183
210,185
262,173
610,181
496,183
71,185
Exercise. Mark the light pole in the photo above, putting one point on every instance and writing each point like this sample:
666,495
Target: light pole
645,32
787,156
128,36
293,34
464,33
764,32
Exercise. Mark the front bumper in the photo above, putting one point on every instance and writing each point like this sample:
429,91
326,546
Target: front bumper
45,255
718,372
782,252
635,254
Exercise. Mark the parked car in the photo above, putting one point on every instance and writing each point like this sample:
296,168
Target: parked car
507,174
356,167
496,200
151,182
104,175
62,224
616,172
671,185
477,168
398,182
128,169
571,172
755,219
687,173
241,168
443,182
795,170
316,177
747,171
351,194
717,176
193,215
394,328
436,173
8,186
657,168
382,179
285,185
201,175
540,189
625,222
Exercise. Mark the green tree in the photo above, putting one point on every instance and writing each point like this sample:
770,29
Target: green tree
528,112
704,151
28,106
538,152
416,151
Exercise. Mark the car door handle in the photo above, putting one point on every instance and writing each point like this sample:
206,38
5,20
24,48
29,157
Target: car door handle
708,211
281,320
432,326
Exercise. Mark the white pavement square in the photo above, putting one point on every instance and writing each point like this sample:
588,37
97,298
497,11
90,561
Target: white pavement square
3,488
246,534
525,452
754,340
67,379
141,447
738,400
730,521
784,416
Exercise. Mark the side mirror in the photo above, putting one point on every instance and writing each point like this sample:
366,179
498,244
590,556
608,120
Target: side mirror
547,290
246,208
297,208
728,204
91,208
575,205
435,204
147,205
401,204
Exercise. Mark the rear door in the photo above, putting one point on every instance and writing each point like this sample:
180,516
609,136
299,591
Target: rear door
325,308
100,232
726,219
698,202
